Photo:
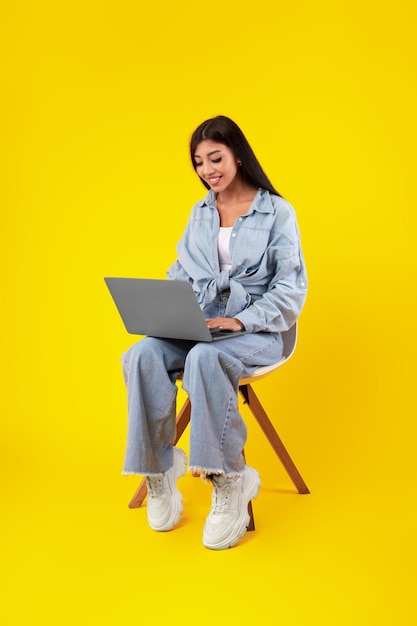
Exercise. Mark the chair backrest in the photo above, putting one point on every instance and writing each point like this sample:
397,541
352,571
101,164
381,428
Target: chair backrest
289,337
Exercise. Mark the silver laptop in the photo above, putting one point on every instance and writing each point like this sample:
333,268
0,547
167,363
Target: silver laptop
162,308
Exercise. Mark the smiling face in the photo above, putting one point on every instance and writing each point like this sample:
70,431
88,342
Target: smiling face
217,165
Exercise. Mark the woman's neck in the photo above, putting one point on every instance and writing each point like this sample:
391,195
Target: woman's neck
239,193
231,204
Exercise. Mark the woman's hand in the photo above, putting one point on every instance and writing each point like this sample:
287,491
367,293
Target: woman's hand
224,323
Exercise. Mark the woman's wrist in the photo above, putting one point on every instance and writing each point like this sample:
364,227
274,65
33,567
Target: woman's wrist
242,326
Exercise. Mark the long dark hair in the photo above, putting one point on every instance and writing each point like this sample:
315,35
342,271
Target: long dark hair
223,130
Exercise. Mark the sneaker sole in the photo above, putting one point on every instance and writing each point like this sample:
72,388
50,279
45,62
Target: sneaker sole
180,462
252,485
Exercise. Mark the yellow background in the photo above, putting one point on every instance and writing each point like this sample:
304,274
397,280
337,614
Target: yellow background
98,102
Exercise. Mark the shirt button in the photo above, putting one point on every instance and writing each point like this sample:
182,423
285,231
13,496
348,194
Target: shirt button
233,234
240,219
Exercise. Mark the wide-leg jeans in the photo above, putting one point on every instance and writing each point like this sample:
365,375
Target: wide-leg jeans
210,375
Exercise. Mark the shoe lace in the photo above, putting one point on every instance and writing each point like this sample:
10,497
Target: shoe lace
221,494
155,486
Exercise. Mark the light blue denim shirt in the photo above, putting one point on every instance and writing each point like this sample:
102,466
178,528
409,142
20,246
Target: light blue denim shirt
267,280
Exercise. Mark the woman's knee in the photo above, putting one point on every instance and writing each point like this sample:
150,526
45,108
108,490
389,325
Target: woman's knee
144,350
202,353
205,357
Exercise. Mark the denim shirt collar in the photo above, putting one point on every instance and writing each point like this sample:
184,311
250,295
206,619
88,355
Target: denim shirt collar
262,202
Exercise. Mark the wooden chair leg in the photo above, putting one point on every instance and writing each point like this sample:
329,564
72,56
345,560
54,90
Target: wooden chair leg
183,419
251,525
273,438
140,495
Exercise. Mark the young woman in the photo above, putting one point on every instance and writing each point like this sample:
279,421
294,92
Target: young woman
241,253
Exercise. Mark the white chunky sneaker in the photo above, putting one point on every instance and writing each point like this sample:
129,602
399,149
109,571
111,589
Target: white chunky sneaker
164,500
229,518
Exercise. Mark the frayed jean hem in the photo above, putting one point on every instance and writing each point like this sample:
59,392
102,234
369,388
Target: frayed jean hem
206,474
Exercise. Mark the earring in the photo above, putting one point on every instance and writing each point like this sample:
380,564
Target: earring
239,163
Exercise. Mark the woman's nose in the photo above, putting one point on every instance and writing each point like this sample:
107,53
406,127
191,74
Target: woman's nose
208,168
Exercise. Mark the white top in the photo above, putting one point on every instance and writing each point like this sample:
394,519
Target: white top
223,242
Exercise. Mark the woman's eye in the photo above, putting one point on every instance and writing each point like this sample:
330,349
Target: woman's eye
212,160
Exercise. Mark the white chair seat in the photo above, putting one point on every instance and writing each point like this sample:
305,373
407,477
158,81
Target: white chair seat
260,372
